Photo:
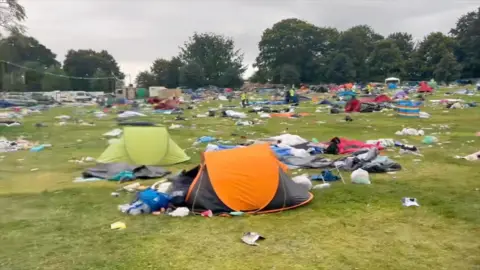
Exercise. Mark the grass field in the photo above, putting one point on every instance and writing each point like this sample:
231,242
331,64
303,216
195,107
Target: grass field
48,222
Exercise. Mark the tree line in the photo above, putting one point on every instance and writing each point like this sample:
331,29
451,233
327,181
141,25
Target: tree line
27,65
292,51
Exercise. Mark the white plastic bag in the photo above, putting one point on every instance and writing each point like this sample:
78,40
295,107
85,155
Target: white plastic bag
360,176
180,212
303,180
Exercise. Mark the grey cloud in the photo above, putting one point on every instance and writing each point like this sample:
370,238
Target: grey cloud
137,32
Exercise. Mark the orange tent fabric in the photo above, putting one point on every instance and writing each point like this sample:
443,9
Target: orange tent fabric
248,179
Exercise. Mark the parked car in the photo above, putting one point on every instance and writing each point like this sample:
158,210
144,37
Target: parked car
19,100
43,99
80,96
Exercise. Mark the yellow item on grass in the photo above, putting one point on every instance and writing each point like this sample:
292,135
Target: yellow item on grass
118,226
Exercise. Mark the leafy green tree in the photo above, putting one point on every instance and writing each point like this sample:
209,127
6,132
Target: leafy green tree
289,75
25,54
192,75
448,69
358,43
55,79
212,54
340,69
159,70
104,85
33,76
259,76
404,42
386,60
167,72
14,81
145,79
467,35
85,63
430,52
12,14
230,78
295,43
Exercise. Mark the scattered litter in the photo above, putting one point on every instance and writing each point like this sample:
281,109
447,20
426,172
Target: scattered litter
39,148
175,126
10,123
360,176
180,212
322,186
382,142
237,213
118,226
250,238
132,187
128,114
234,114
430,140
63,117
34,169
410,132
424,115
206,139
113,133
244,123
303,180
407,202
207,213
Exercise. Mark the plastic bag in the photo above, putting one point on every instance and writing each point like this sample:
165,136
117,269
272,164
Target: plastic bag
360,176
303,180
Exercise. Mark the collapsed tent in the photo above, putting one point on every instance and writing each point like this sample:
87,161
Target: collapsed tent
248,179
353,105
375,99
344,146
424,88
144,146
109,171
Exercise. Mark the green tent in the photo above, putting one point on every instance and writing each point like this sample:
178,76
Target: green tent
142,93
144,146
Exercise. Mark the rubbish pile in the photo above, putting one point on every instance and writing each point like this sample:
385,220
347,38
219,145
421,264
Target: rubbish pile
17,145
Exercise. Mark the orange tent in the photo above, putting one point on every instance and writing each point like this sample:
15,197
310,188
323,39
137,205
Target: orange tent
248,179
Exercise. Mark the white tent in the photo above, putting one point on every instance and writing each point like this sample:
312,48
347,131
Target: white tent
392,80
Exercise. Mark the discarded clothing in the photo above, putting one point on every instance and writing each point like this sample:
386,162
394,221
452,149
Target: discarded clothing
314,162
235,114
344,146
326,176
368,160
128,114
289,139
110,170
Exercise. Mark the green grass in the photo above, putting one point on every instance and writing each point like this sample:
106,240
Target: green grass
48,222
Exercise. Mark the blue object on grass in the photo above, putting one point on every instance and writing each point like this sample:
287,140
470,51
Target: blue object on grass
154,199
326,175
206,139
123,176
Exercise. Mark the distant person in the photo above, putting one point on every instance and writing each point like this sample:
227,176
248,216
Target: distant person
287,97
292,96
244,99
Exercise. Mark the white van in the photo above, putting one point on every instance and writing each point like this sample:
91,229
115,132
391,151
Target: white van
81,96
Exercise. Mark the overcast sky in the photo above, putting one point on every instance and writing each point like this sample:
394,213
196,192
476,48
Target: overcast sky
136,32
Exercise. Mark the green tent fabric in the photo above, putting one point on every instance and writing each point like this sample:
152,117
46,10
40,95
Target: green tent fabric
142,93
144,146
